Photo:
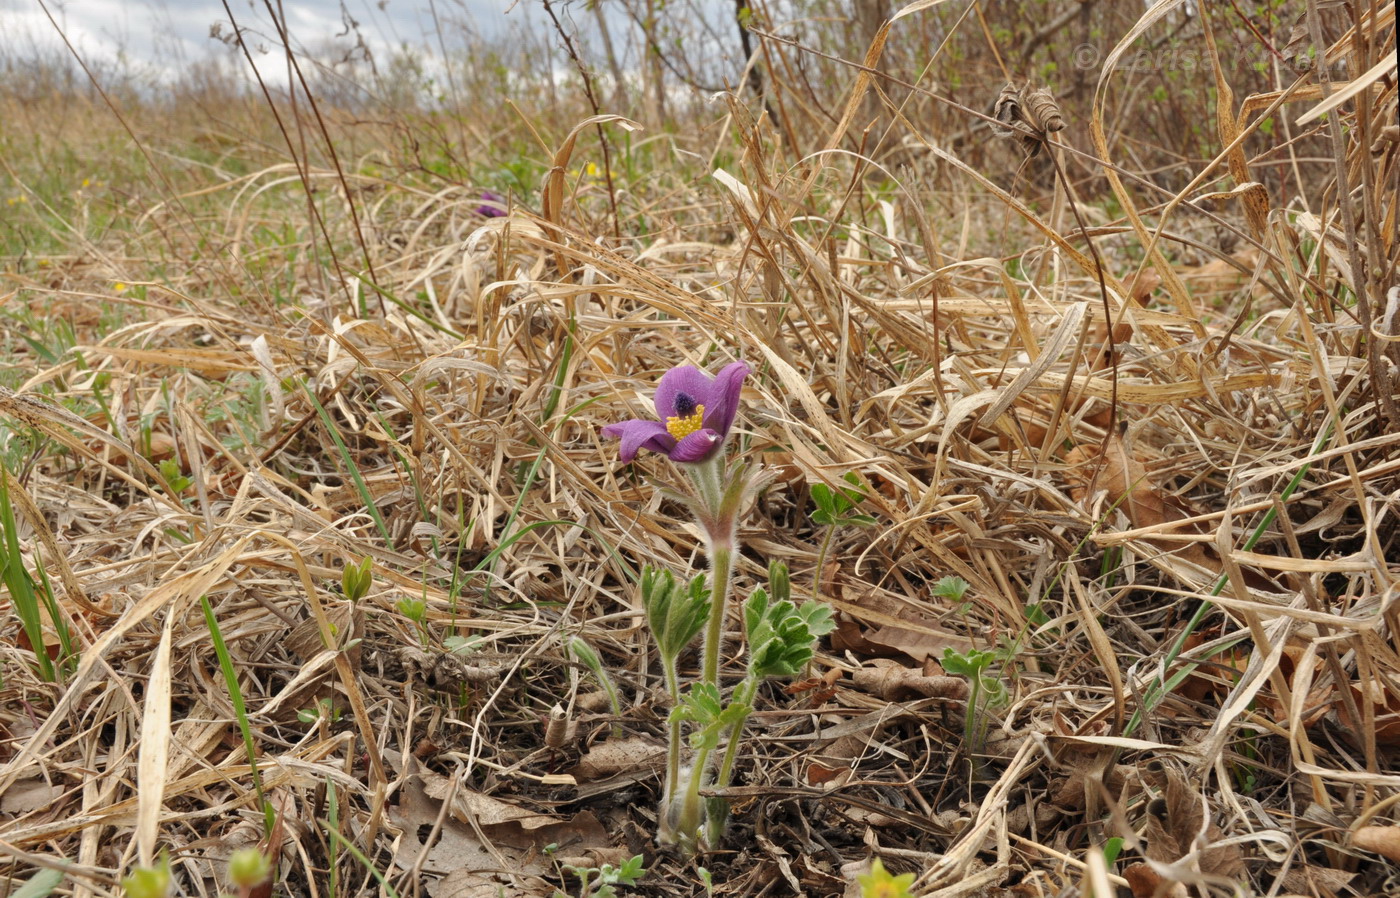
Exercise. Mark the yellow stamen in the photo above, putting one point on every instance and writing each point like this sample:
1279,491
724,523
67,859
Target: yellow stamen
680,428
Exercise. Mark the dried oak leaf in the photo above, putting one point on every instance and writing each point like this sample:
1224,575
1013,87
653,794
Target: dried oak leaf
1123,476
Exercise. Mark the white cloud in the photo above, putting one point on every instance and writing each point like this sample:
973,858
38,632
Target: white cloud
159,36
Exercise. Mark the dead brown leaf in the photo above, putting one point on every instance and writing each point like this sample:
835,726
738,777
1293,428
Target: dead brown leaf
894,682
1312,880
1383,840
475,884
1146,883
514,837
894,625
618,755
28,795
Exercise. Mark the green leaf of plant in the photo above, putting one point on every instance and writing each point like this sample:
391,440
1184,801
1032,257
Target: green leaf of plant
951,588
960,665
825,499
676,617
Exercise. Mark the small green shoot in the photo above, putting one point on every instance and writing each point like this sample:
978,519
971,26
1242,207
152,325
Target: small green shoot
416,610
324,710
954,589
345,455
579,649
20,583
707,880
248,868
602,882
175,479
332,823
339,841
149,882
835,509
951,588
240,707
356,579
462,645
987,691
40,885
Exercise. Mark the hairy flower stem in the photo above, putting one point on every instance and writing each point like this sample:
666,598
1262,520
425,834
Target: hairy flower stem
690,814
717,514
721,565
673,752
743,694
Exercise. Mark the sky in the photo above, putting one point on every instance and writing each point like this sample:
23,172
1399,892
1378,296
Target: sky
162,35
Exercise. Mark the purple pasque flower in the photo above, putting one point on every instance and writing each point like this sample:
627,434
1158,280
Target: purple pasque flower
695,412
488,208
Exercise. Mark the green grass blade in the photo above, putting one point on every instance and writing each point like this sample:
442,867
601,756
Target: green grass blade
338,839
235,694
20,583
40,885
354,469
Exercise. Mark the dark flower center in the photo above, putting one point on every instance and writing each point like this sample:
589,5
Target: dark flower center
685,405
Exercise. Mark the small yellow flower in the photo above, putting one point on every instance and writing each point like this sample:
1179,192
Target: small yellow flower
119,287
879,883
591,169
86,182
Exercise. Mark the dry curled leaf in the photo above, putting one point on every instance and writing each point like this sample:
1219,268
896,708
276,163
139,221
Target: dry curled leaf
1041,111
1026,114
1383,840
894,682
1146,883
1007,110
1124,478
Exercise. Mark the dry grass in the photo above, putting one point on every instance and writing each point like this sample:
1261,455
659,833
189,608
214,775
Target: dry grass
1154,428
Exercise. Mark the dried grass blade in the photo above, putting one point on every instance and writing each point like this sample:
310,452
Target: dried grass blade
1102,645
153,755
1053,349
1256,202
177,592
1372,75
46,418
916,6
1180,298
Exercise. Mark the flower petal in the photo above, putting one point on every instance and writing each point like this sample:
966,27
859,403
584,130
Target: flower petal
638,434
699,446
686,379
722,399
